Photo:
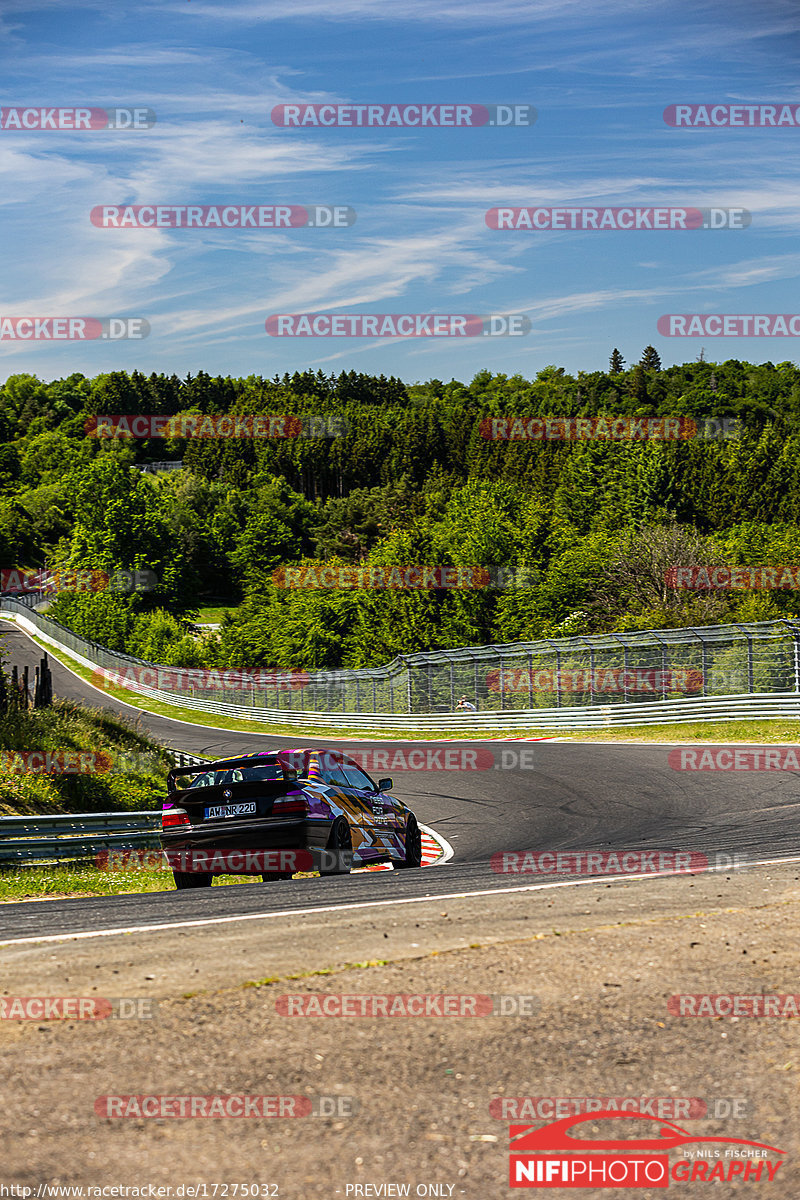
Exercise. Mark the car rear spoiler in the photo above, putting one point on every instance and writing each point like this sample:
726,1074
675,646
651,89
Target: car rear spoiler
226,764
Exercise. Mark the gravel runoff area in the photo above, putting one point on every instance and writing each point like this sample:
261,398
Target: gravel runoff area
601,959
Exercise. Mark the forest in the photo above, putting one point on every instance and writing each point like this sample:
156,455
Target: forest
290,533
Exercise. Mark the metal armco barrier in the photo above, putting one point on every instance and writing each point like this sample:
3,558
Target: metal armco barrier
71,837
75,836
717,672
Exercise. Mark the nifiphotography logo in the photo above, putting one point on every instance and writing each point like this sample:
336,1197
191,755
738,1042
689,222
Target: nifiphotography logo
560,1155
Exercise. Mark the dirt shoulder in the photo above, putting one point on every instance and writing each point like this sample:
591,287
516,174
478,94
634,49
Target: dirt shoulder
601,960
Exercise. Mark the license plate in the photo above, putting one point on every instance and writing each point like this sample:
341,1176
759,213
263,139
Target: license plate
230,810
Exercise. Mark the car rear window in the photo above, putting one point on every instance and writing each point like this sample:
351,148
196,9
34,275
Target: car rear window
269,772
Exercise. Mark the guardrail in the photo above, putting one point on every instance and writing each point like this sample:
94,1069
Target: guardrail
740,671
73,837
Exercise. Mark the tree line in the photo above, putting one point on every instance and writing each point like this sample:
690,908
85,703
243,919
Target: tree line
589,526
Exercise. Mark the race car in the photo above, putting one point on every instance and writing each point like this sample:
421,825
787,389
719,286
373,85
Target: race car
275,813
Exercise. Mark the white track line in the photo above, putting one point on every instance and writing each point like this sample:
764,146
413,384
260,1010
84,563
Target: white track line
326,908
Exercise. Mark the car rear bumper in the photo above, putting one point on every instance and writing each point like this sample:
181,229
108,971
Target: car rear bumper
249,848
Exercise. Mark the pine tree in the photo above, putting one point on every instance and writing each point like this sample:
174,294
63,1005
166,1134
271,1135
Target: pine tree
650,359
617,362
637,385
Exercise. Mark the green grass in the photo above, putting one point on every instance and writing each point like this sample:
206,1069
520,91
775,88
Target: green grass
41,883
84,879
770,731
122,768
212,615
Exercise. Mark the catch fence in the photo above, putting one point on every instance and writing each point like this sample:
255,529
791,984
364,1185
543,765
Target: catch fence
743,669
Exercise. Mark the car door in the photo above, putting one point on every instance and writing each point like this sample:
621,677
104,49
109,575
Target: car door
380,810
342,793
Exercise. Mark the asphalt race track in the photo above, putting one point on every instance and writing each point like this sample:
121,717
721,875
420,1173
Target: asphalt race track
526,797
604,959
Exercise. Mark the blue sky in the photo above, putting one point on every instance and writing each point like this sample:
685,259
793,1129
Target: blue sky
599,74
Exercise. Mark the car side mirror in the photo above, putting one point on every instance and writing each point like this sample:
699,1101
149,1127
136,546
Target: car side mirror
385,785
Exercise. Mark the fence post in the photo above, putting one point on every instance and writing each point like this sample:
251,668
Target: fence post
664,669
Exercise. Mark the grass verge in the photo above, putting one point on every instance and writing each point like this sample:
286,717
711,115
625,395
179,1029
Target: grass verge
62,880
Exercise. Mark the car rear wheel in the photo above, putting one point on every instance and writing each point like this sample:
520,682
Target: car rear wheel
339,850
413,842
191,879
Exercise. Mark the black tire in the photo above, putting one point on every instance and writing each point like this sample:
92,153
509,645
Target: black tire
340,844
275,876
191,879
413,845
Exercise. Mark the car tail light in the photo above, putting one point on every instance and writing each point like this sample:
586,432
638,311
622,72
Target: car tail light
170,817
292,804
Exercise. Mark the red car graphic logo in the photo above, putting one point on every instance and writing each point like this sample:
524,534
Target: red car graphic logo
555,1157
557,1136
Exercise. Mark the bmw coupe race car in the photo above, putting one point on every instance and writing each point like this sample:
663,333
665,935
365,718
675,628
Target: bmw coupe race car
278,812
